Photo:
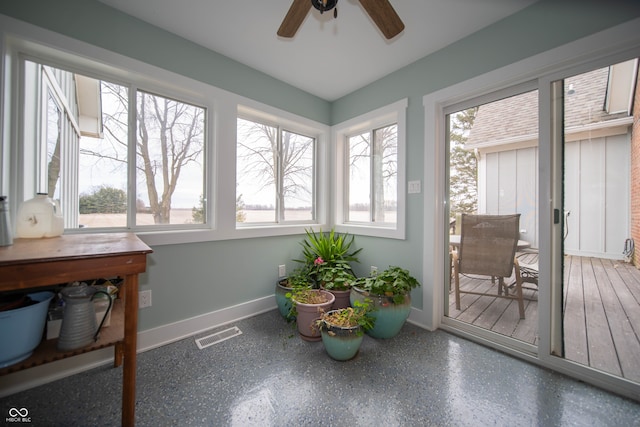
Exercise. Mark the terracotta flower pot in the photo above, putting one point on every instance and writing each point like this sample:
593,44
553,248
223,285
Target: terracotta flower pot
309,313
342,299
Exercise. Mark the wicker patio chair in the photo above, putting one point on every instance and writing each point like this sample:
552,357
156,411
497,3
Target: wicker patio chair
487,248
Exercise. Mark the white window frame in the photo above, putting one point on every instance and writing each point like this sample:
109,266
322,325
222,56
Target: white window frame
284,124
253,110
19,38
135,83
391,114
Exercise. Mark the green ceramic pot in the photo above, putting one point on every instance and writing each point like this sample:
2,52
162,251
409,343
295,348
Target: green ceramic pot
284,303
390,317
341,343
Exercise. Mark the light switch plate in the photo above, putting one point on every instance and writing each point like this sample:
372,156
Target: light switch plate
414,187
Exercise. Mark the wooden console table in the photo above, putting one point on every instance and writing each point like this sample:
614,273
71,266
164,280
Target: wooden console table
36,263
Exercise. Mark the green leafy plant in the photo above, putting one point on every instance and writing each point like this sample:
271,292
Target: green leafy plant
326,248
394,282
302,291
358,315
337,277
298,279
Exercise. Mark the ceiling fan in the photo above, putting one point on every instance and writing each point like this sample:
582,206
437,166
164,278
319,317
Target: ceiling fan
380,11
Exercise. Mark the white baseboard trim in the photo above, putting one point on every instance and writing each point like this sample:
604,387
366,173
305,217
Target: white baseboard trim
166,334
417,317
147,340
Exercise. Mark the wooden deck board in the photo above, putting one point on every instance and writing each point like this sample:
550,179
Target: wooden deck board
602,354
575,328
601,314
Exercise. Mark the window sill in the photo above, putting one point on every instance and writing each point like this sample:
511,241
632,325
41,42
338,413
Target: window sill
368,230
178,237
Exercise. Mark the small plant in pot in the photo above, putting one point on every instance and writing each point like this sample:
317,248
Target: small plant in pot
390,291
337,279
342,330
307,306
299,279
326,249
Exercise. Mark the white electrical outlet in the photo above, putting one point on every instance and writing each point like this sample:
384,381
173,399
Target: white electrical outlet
373,271
282,270
144,299
414,187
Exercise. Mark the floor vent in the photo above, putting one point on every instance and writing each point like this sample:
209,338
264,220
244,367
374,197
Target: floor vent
218,337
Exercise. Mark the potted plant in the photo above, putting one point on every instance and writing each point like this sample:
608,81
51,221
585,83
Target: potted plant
297,280
307,306
337,279
390,291
342,330
326,249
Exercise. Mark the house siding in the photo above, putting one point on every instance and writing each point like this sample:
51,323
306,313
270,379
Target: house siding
635,172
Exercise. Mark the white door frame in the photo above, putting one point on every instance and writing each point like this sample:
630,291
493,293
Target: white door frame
607,47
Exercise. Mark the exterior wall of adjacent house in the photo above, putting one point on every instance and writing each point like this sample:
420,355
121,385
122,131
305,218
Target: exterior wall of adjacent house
508,182
597,192
596,166
596,176
635,173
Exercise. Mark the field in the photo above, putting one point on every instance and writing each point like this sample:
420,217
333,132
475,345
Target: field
184,216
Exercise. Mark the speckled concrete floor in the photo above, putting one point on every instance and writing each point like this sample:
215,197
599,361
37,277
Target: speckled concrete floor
269,377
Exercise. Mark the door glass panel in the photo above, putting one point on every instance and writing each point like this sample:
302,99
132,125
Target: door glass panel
493,170
601,285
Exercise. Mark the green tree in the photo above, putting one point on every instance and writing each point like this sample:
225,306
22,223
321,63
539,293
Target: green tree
240,215
169,139
197,213
463,180
104,200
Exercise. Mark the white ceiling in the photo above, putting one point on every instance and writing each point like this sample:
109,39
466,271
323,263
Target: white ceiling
328,57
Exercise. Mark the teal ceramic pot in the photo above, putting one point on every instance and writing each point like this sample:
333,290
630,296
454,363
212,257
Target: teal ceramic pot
284,303
341,343
390,317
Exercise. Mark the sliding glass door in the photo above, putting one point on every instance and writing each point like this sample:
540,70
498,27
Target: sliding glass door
582,287
493,170
600,292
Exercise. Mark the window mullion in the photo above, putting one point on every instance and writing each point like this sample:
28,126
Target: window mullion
372,180
279,178
132,156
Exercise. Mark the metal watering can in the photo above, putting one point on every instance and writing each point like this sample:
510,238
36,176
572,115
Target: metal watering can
79,326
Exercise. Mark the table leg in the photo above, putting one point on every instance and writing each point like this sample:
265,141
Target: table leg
130,347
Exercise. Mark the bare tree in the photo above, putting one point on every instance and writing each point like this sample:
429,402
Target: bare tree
381,156
284,166
169,136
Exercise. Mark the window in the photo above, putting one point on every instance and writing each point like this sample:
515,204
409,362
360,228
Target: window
127,146
275,174
373,176
371,173
106,173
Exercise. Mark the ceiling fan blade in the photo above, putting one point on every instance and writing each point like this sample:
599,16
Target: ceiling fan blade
292,21
384,16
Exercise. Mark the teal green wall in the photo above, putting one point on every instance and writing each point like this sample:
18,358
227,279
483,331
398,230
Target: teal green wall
193,279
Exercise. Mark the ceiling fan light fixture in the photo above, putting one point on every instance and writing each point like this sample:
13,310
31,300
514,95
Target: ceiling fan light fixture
324,5
380,11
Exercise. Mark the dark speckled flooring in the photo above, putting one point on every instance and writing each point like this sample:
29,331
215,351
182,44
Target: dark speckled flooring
269,377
